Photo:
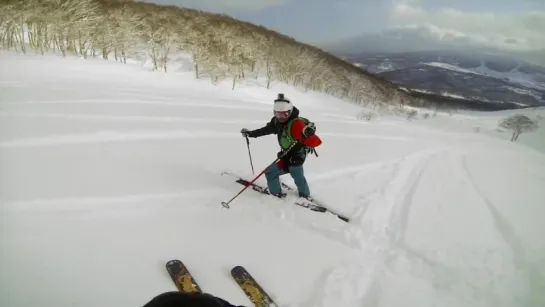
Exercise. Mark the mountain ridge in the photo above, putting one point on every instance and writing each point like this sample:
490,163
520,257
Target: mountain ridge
413,38
486,78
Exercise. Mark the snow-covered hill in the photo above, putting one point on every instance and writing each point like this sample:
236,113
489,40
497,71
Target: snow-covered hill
109,170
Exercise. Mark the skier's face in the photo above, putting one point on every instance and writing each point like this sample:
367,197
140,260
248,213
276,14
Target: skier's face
282,116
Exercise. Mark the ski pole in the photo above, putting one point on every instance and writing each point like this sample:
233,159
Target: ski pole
226,204
250,154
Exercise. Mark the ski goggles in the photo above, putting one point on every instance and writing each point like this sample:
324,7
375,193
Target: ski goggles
282,114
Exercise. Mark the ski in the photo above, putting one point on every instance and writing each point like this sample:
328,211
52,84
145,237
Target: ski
308,203
251,287
263,190
181,277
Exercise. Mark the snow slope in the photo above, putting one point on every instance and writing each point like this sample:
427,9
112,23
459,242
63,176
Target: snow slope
110,170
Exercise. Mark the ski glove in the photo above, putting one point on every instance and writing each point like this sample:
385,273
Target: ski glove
309,130
245,132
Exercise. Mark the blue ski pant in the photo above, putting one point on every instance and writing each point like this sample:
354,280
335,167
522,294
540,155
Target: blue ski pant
273,174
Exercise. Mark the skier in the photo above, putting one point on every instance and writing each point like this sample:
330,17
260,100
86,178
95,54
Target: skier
289,128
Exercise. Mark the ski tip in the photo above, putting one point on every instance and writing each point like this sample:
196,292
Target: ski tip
172,262
343,218
237,268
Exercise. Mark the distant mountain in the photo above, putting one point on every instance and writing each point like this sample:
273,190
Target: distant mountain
472,76
422,38
496,66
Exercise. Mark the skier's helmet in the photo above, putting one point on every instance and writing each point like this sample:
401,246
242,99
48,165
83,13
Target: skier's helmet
282,108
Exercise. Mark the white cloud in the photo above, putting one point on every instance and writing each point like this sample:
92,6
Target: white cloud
523,31
407,10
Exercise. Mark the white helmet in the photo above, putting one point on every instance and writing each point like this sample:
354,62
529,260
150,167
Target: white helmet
282,107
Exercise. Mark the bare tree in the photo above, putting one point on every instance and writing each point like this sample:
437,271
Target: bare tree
366,115
518,123
219,45
411,114
268,59
13,18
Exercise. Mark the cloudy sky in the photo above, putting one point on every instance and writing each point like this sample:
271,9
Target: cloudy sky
510,24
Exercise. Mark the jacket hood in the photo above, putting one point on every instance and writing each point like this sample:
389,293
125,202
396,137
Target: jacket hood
294,114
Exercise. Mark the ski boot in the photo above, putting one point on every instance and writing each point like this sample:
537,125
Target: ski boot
280,195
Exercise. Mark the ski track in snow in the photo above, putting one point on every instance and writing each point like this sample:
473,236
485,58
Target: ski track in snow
502,224
377,229
379,207
529,271
400,254
383,218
